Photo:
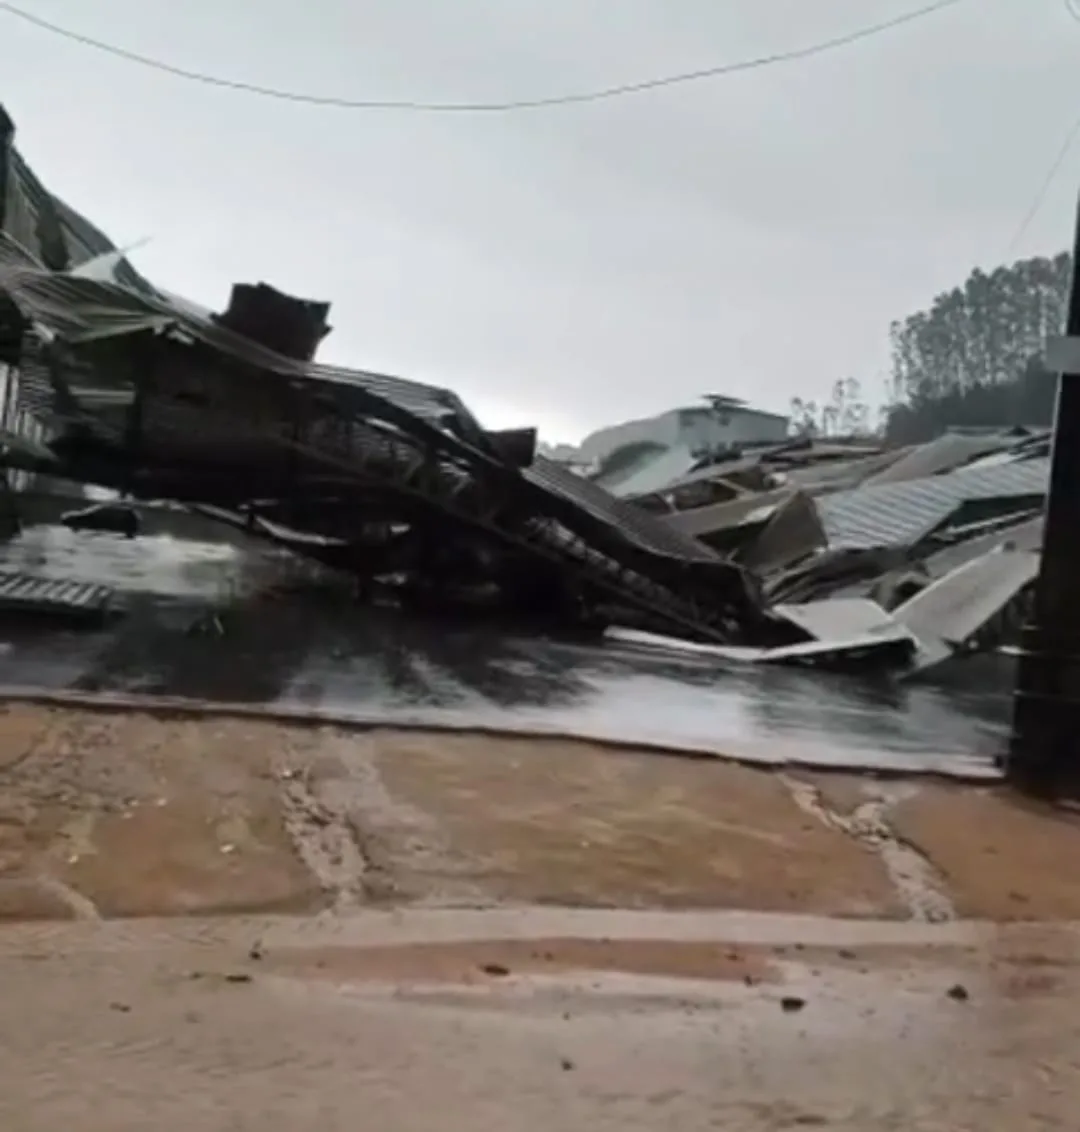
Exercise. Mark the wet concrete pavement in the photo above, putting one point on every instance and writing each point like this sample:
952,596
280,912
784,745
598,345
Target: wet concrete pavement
325,656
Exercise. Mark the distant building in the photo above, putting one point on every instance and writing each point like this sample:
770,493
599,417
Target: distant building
567,455
721,423
640,457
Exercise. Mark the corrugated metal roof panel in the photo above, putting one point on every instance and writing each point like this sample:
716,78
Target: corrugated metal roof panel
28,592
75,307
897,513
953,608
32,209
639,526
840,475
944,454
845,471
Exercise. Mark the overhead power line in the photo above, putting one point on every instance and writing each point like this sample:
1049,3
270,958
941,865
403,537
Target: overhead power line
1073,8
1044,188
597,95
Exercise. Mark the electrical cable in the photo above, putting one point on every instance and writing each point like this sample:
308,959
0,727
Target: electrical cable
597,95
1044,188
1073,8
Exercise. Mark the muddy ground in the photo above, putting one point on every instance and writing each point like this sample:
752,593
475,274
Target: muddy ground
222,924
529,1019
106,814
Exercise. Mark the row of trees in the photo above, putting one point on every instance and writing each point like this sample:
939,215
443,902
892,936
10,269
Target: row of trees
974,358
846,413
971,360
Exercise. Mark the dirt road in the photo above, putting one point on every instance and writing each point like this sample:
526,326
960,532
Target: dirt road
108,814
316,964
598,1021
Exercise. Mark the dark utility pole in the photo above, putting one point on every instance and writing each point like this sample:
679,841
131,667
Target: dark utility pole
1044,749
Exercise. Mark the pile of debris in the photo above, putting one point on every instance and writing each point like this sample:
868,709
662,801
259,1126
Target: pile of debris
805,552
109,381
912,555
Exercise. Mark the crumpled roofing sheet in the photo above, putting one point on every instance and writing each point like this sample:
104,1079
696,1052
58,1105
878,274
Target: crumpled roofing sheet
648,531
954,608
79,308
945,454
886,638
839,475
894,514
703,521
839,619
792,533
654,474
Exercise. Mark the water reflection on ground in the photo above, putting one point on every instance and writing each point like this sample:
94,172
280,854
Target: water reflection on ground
335,658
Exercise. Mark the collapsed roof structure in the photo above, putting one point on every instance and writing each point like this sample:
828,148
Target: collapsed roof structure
935,545
116,383
801,552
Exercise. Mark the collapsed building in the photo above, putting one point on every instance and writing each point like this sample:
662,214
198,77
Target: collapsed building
113,382
924,553
793,552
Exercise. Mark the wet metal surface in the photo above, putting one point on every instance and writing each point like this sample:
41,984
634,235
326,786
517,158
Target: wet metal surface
32,593
316,653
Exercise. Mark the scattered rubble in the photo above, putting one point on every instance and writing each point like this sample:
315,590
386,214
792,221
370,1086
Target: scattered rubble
910,557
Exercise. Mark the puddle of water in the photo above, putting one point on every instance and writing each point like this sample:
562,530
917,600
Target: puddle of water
157,564
357,660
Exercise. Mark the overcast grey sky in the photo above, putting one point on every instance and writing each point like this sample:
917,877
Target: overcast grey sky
752,235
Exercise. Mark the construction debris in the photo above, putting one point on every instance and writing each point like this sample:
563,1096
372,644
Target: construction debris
29,595
936,545
823,552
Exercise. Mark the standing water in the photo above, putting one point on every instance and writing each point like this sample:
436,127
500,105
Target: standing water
372,664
